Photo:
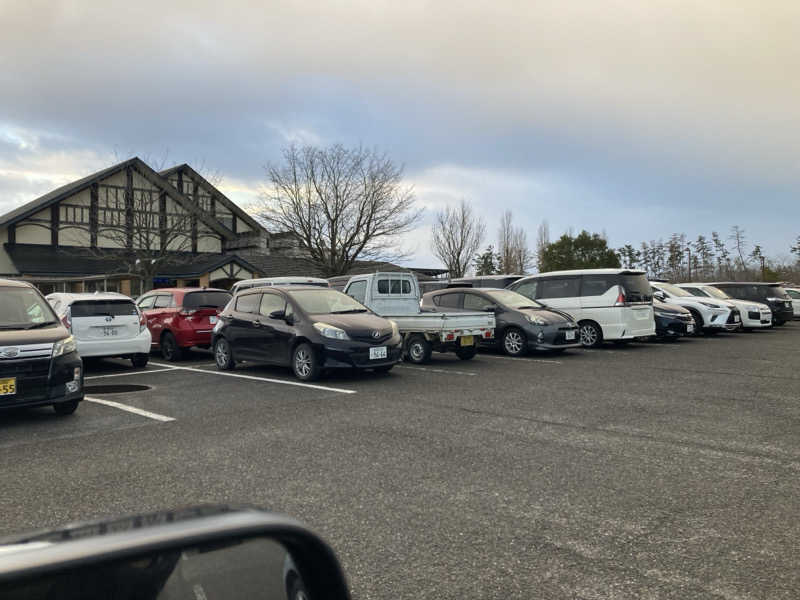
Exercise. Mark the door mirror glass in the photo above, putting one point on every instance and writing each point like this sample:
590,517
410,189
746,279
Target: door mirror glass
277,314
660,295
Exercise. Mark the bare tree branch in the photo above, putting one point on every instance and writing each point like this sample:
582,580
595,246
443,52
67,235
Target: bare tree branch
457,233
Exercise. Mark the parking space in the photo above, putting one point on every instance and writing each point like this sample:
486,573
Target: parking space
667,470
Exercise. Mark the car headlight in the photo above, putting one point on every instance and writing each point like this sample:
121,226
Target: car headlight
753,309
536,320
329,331
64,346
709,305
395,328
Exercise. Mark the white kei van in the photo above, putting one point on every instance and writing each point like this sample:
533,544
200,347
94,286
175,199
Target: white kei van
608,304
246,284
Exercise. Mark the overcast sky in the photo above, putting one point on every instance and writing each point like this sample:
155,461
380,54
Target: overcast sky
637,118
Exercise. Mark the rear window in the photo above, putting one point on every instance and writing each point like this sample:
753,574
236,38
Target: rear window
206,299
394,286
448,300
636,286
102,308
248,303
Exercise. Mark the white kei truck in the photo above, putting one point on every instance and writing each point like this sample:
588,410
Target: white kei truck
396,296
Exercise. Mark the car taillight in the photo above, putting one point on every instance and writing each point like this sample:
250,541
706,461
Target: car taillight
142,322
620,299
67,320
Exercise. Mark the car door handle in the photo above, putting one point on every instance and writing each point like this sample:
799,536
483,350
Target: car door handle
256,323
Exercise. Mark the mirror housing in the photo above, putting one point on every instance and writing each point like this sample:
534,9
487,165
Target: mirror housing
133,557
491,308
660,295
277,314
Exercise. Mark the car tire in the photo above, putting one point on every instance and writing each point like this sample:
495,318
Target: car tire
591,334
467,352
170,349
418,349
223,355
698,322
66,408
514,342
778,323
305,363
139,361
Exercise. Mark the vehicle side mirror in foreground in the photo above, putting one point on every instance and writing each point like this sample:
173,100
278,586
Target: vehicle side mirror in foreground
490,308
660,295
277,314
202,552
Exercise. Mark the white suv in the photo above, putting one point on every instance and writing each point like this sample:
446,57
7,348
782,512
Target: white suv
104,324
710,315
754,315
794,294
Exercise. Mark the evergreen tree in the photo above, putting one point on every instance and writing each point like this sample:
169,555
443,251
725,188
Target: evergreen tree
486,263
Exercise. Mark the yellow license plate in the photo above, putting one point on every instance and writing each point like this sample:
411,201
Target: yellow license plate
8,387
467,340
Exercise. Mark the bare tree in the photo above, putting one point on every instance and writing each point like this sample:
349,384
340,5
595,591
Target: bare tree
457,233
342,204
739,244
542,241
515,256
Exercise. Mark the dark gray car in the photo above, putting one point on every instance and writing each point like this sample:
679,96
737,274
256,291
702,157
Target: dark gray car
522,324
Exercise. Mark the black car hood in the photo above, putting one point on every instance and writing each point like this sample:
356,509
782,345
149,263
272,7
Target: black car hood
552,317
671,308
356,323
22,337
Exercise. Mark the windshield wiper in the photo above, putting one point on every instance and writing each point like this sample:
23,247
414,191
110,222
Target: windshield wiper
529,306
43,324
351,310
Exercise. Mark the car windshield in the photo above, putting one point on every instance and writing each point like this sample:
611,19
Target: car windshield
715,292
673,290
206,299
326,301
512,299
23,308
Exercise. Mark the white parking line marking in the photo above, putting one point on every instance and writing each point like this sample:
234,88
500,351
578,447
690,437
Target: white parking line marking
131,409
446,371
537,360
129,374
267,379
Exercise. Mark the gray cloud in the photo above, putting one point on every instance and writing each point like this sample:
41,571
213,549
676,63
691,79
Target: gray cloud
626,116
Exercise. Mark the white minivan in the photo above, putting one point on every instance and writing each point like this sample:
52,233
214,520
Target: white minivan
104,324
608,304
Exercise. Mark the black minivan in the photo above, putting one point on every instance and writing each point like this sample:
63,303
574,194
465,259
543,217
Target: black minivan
39,362
771,294
310,329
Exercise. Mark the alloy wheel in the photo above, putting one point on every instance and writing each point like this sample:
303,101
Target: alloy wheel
513,342
222,355
302,362
588,335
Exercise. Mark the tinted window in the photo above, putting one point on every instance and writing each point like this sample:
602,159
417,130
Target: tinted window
597,285
206,299
102,308
559,288
358,290
162,301
636,286
248,303
271,303
793,294
21,307
476,302
394,286
527,288
147,302
325,301
695,291
449,300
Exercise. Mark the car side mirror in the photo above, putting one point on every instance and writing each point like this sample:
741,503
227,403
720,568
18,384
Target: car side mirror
660,295
491,308
277,314
214,552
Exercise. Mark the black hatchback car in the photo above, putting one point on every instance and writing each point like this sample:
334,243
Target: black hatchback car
39,362
672,321
771,294
310,329
522,324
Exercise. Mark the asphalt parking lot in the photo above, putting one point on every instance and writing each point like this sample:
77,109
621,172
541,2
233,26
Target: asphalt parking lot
641,471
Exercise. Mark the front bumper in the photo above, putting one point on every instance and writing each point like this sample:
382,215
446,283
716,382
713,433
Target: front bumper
756,319
93,348
552,337
40,384
349,354
673,327
781,313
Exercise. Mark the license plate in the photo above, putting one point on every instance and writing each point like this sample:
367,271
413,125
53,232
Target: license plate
689,327
109,331
569,335
8,387
378,352
212,319
467,340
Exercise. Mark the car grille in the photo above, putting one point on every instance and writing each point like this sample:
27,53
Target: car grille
31,375
734,313
753,315
366,336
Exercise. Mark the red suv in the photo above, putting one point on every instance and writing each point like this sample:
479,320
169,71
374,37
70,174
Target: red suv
179,318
